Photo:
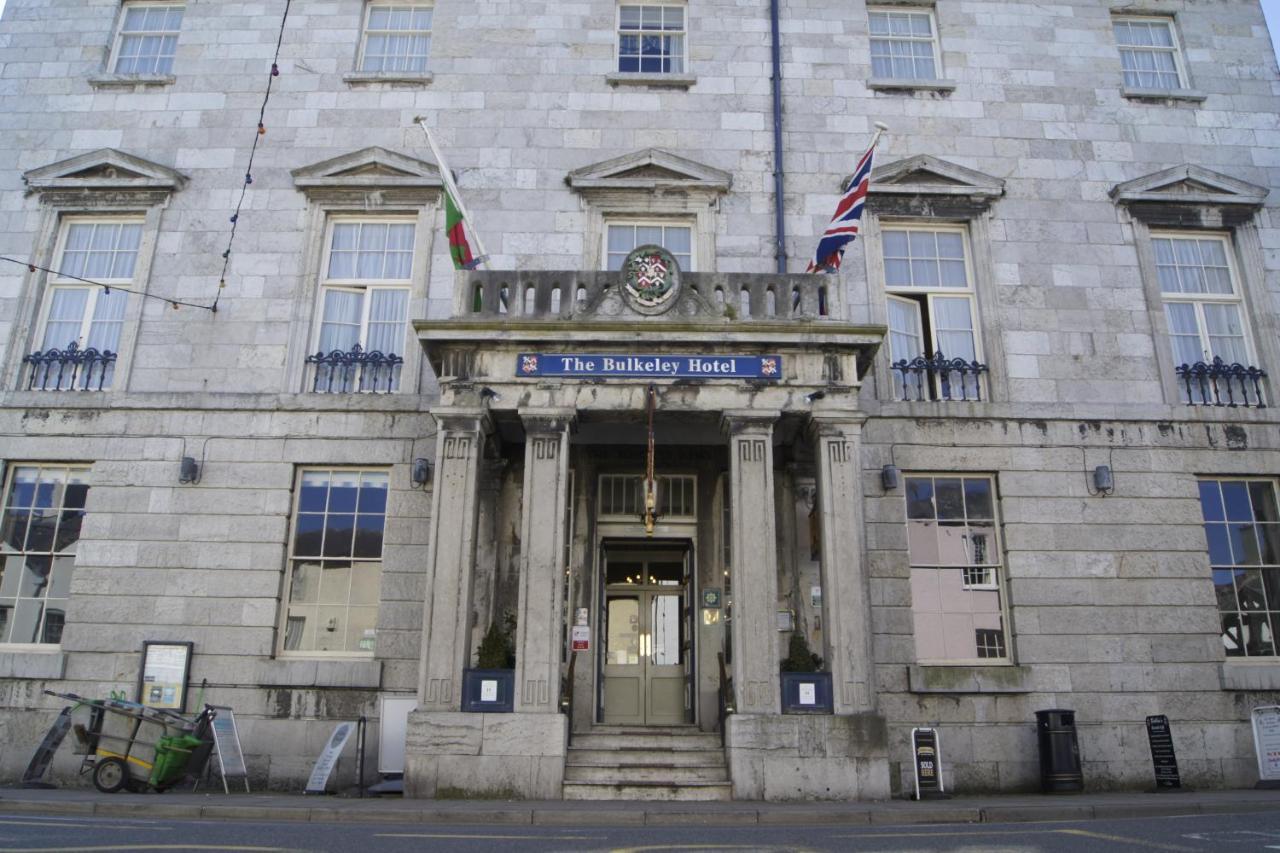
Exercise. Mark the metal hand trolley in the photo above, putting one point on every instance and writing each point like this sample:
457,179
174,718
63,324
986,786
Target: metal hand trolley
128,745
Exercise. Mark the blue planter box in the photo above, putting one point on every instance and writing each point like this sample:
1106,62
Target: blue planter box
806,693
488,691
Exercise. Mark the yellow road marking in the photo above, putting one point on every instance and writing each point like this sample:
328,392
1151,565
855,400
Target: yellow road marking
1124,839
491,837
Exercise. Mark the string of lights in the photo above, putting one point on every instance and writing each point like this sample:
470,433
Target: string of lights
253,150
107,288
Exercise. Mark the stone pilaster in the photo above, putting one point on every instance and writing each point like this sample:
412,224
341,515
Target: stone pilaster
460,438
754,560
539,626
837,438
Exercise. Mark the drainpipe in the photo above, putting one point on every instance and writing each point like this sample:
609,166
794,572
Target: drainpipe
780,228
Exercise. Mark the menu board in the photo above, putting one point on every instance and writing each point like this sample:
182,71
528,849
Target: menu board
162,680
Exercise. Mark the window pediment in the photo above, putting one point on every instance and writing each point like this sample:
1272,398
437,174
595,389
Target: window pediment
926,186
652,170
105,170
1189,184
373,170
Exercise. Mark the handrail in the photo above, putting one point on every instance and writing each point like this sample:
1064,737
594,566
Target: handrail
566,694
726,695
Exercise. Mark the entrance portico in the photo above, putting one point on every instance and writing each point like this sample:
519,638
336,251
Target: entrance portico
544,382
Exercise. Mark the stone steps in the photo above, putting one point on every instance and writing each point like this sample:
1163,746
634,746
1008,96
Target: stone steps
632,763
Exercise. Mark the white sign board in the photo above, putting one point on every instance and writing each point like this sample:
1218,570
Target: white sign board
392,729
489,690
1266,741
808,694
226,743
329,757
580,639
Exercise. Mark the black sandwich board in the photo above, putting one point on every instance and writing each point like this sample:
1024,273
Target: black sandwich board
1160,736
928,764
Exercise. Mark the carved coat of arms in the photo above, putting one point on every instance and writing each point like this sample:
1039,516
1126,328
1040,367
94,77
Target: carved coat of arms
651,279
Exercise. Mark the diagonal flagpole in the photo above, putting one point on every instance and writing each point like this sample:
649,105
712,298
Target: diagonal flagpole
447,177
880,127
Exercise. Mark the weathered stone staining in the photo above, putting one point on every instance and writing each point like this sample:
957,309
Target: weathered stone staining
1072,231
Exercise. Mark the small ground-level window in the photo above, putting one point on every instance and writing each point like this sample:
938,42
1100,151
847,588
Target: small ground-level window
335,561
1242,527
956,574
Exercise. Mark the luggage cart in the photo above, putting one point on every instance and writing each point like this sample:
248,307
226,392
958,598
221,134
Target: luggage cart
131,746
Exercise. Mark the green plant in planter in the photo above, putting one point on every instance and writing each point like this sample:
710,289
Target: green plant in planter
495,650
800,658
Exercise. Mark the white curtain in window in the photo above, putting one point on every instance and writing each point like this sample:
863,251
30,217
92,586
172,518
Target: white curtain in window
1226,332
108,319
66,315
387,314
1184,333
340,322
953,326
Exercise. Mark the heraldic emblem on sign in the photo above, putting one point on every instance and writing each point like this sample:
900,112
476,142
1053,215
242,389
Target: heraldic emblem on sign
651,279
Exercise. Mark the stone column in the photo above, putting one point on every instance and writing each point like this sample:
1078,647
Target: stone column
754,561
540,617
837,438
460,438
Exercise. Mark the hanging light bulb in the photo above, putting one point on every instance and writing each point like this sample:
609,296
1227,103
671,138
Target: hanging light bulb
275,70
262,129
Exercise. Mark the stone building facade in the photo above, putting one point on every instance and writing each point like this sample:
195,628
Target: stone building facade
1072,198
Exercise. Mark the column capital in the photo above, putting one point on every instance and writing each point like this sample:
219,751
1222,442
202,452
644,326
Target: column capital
835,422
463,418
547,420
736,421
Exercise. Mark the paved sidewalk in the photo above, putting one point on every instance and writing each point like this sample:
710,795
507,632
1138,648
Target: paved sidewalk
272,807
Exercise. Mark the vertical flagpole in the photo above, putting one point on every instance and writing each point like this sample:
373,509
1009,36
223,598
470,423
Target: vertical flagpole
447,177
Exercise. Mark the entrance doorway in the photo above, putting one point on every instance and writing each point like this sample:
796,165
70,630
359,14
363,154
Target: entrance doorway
647,653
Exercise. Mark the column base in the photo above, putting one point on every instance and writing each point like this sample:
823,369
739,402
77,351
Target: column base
452,755
780,758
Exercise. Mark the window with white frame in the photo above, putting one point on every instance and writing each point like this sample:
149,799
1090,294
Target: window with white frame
651,39
931,308
397,38
621,237
148,38
88,315
43,511
1242,527
957,583
364,305
904,44
1149,53
1202,302
335,562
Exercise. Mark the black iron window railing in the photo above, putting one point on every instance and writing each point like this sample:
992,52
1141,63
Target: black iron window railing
355,371
1217,383
70,369
937,377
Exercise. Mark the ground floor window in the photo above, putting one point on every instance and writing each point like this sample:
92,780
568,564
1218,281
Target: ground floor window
956,573
335,561
1242,526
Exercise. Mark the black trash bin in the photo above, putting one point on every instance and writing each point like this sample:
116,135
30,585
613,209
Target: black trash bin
1059,752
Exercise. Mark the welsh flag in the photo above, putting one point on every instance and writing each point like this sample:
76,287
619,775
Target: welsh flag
455,228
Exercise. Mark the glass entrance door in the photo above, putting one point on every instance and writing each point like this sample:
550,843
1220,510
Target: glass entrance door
647,665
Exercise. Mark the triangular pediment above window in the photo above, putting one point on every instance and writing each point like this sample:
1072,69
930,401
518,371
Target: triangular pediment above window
652,170
371,168
926,175
105,169
1189,184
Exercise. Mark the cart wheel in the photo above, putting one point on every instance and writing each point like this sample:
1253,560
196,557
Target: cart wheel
110,775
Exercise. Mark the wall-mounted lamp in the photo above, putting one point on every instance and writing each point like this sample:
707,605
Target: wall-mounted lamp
1103,480
487,393
188,471
421,471
889,477
816,395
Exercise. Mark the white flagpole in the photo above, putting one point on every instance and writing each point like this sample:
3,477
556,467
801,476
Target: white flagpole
447,177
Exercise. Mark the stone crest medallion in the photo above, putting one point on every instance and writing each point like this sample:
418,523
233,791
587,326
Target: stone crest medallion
651,279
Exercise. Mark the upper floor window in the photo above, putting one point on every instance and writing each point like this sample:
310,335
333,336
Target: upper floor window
622,237
396,38
1202,304
1149,53
335,561
148,38
1242,526
932,313
651,39
43,510
904,44
956,569
364,305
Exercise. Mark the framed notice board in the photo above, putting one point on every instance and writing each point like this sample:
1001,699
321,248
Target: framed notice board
163,676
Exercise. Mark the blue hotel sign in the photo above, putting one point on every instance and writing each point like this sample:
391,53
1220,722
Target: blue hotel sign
650,366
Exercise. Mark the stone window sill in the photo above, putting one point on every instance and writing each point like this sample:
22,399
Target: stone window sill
664,81
131,81
886,84
367,78
311,672
1163,94
50,665
969,679
1259,675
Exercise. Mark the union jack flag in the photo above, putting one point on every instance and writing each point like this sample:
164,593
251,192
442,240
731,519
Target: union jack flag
844,225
